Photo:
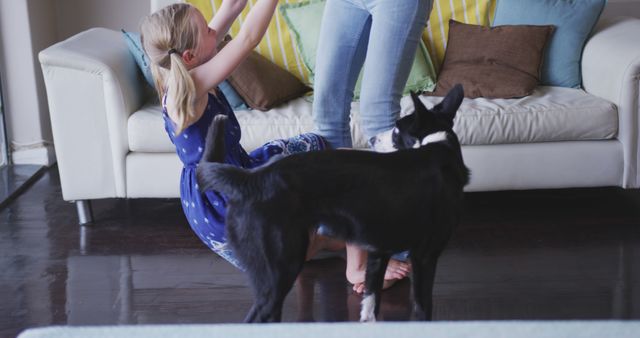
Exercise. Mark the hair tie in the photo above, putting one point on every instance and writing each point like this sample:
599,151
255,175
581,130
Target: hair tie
171,51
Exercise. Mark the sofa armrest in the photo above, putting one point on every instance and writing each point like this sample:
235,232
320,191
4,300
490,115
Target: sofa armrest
611,70
92,87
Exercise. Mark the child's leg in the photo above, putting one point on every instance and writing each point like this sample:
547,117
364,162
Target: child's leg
303,143
296,144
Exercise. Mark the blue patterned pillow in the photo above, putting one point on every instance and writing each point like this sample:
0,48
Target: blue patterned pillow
573,20
134,44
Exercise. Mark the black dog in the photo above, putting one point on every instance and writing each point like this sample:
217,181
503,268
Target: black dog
409,199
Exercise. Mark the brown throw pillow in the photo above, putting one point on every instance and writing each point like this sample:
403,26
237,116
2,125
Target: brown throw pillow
493,62
263,85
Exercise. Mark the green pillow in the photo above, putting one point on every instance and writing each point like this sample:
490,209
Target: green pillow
304,19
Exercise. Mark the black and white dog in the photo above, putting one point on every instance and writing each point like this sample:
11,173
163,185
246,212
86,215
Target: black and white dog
409,199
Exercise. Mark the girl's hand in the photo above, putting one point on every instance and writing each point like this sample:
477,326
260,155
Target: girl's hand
209,74
226,15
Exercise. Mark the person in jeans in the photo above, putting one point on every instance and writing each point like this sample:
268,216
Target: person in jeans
382,36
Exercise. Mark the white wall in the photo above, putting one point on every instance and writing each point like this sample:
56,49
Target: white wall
75,16
27,27
27,116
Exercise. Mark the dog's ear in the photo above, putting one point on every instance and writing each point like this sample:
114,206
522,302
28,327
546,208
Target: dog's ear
450,104
419,111
417,104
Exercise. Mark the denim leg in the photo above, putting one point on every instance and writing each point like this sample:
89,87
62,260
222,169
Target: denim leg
340,55
395,33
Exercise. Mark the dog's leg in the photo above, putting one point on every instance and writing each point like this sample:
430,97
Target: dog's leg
251,316
270,291
275,267
373,280
264,307
424,271
267,305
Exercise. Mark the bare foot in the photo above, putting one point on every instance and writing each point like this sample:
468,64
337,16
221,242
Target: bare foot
396,270
359,287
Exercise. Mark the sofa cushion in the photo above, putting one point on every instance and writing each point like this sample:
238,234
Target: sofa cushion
145,130
435,35
493,62
135,47
272,87
574,21
549,114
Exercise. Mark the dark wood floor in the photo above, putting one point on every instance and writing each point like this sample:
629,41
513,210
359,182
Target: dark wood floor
555,254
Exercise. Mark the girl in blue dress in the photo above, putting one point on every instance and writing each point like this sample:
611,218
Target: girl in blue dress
187,69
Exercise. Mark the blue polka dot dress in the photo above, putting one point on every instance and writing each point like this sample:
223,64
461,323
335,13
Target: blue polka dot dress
206,211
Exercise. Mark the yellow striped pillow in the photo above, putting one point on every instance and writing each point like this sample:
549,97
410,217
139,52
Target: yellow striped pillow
278,43
476,12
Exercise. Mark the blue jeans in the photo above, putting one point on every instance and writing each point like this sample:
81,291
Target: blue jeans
384,32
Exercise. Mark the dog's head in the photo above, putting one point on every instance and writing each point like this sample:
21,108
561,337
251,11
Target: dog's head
423,126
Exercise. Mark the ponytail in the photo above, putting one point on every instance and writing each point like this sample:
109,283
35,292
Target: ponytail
182,90
164,34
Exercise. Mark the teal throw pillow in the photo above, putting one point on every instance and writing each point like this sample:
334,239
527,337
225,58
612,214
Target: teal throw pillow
134,43
135,47
573,21
304,19
235,101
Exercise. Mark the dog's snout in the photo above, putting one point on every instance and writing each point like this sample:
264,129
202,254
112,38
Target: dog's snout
383,142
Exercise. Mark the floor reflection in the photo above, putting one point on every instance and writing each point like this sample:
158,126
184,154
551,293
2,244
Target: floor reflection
199,288
517,255
14,179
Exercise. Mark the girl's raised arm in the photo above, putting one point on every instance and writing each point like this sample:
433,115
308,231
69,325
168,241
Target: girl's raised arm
214,71
226,15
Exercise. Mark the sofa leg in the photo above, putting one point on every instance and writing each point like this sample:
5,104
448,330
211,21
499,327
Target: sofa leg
85,214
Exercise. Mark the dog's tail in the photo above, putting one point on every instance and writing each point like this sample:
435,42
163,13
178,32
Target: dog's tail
212,173
231,181
214,142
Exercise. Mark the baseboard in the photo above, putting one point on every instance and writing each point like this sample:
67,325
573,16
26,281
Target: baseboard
43,155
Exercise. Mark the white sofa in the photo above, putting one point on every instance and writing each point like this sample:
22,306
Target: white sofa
110,140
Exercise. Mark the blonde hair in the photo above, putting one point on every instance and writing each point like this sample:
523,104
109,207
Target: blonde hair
165,35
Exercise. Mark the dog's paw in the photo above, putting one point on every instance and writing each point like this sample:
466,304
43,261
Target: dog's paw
367,312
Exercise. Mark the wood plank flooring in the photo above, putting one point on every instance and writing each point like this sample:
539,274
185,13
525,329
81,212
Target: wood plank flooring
551,254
